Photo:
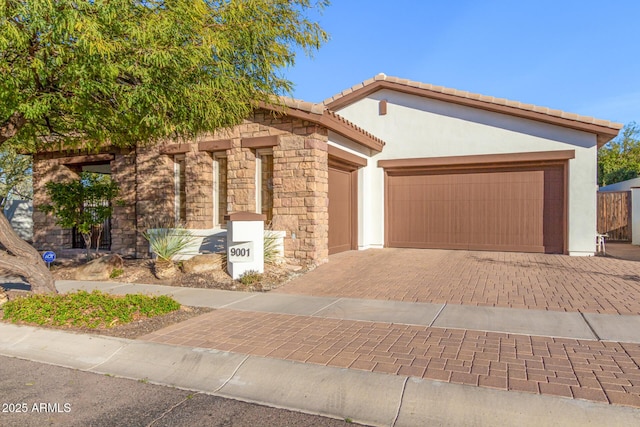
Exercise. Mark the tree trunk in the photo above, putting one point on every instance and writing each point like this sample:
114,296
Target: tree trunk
23,260
87,244
98,240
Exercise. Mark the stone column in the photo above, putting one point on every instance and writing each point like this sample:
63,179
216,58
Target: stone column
241,179
155,189
123,220
199,189
301,193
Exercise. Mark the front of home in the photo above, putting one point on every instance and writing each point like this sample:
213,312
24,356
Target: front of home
387,163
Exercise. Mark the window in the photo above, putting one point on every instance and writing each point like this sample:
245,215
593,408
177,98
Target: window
264,183
180,188
219,189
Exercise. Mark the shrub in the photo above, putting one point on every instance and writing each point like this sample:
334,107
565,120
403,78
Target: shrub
270,246
83,309
167,239
116,272
250,277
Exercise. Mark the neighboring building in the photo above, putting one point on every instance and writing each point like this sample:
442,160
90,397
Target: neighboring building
622,185
389,162
19,214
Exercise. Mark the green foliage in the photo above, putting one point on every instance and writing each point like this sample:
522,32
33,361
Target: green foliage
619,160
116,272
270,246
250,277
128,71
15,175
81,203
87,310
167,238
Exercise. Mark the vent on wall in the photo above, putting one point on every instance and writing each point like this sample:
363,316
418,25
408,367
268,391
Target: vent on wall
382,107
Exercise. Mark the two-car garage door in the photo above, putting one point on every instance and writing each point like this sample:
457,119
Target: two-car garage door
502,208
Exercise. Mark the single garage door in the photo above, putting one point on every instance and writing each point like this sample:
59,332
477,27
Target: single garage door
341,209
508,209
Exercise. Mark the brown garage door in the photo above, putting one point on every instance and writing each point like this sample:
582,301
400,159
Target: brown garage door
342,209
505,210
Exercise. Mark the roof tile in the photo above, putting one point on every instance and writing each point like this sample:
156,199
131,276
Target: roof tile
482,98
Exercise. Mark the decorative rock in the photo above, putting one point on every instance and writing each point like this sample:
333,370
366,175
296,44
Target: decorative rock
164,269
100,268
3,297
203,263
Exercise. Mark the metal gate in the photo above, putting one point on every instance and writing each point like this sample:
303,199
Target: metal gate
105,236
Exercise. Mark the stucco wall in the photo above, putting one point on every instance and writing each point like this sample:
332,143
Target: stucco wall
419,127
19,213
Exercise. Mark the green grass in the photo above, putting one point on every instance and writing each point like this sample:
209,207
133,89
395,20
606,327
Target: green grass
88,310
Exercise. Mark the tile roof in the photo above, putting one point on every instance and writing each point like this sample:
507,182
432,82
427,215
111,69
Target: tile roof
381,81
319,113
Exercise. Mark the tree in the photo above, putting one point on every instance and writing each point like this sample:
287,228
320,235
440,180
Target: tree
125,72
619,160
84,204
15,176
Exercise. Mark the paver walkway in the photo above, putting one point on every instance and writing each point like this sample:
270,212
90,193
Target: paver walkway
500,279
582,369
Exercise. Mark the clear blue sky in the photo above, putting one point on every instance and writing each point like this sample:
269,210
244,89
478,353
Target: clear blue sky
577,56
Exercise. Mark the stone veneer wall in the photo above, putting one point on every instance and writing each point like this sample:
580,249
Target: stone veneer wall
199,179
146,180
46,234
123,221
155,190
300,181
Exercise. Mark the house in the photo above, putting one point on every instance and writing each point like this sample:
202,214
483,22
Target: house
622,186
387,163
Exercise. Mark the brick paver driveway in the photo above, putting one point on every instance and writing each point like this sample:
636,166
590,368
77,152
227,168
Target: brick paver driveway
580,369
501,279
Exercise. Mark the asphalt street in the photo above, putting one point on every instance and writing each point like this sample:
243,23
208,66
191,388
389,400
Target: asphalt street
36,394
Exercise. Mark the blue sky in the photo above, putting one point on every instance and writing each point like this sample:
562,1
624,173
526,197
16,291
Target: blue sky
577,56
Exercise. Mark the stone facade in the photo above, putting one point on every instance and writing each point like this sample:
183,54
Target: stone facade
46,234
123,222
147,186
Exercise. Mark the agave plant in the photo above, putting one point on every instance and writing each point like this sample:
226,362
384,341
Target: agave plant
167,239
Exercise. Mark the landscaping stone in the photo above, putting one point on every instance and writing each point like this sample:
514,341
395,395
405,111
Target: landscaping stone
202,263
164,269
3,297
100,268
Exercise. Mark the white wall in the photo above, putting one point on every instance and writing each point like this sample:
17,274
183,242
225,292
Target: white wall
19,214
635,215
419,127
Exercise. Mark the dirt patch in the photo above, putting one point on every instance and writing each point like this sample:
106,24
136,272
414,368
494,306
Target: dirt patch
141,271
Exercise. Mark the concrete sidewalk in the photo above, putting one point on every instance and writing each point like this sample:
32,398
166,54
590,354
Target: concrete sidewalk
402,397
588,326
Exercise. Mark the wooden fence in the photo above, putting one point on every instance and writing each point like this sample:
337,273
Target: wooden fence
614,214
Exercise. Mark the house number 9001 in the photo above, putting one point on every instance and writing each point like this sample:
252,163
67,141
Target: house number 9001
240,252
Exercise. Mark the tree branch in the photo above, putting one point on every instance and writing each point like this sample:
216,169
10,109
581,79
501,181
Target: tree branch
10,127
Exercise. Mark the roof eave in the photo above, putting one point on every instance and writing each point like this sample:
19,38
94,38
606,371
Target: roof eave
604,132
331,122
